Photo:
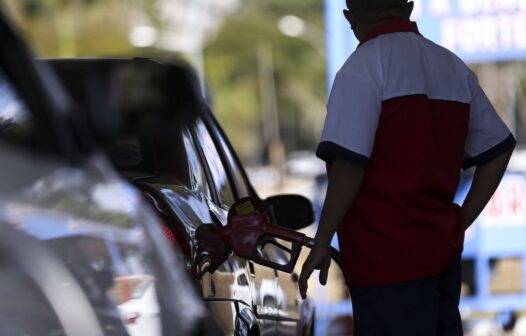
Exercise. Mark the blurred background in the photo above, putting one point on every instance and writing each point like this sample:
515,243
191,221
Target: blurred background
266,67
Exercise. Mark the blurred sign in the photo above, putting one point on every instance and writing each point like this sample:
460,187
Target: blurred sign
502,225
507,207
476,30
497,238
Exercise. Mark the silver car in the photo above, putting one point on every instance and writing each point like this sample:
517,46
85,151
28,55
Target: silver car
78,245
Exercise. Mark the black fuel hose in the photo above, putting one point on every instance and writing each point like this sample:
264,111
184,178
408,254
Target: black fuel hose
337,257
335,254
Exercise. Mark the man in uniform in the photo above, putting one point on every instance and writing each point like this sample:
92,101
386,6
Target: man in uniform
403,118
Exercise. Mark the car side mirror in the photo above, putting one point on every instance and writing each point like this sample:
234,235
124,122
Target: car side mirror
291,211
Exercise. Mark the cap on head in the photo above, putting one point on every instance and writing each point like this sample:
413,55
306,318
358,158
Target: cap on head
374,5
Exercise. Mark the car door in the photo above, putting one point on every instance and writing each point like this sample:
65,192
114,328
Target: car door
59,190
179,184
262,279
287,299
183,183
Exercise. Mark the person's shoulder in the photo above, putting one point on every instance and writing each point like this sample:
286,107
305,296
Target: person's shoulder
363,57
442,52
368,49
454,63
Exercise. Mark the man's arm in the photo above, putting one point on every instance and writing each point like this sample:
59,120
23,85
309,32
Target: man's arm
485,181
345,179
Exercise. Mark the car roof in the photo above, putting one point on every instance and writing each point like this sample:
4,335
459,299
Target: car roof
74,72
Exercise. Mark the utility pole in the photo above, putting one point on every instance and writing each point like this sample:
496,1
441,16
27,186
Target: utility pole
269,109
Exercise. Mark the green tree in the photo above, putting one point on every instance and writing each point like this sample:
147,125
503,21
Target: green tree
83,28
231,61
73,28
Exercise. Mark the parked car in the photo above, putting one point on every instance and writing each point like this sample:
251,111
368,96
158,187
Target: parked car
72,232
187,169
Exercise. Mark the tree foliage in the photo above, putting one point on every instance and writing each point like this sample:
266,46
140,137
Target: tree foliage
84,28
77,28
299,72
35,8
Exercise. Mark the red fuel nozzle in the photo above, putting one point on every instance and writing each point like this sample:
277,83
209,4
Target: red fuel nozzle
243,233
251,235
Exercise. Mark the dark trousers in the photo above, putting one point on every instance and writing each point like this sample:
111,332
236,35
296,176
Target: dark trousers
425,307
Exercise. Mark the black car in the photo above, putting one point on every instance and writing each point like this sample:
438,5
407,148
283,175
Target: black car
187,169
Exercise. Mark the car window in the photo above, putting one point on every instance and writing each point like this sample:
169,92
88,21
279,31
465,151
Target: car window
16,123
237,173
197,172
219,174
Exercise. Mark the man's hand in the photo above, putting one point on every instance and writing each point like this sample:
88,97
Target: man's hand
345,179
319,258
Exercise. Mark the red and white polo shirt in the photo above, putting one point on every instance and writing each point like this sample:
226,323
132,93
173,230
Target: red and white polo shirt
413,114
